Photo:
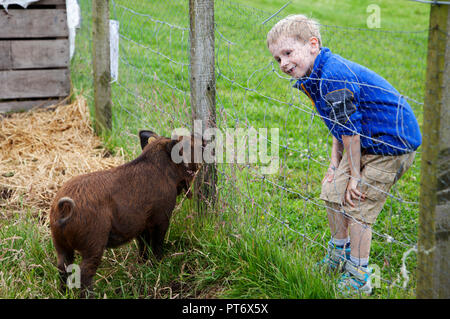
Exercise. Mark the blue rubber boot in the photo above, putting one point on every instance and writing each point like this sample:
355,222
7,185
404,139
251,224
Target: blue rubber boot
355,280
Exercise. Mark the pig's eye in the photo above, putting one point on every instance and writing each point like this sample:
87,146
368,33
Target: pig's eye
278,60
288,53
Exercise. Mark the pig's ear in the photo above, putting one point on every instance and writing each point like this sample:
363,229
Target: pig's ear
145,135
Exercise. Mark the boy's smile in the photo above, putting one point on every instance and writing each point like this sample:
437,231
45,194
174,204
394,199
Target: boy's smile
294,57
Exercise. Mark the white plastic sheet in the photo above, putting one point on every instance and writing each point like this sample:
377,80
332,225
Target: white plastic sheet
73,22
23,3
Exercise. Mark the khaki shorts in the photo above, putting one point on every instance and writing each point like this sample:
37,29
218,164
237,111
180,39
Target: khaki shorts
378,174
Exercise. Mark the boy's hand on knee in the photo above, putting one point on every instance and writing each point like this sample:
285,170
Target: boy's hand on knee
353,193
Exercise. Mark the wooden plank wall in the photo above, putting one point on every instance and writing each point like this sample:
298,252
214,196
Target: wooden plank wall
34,55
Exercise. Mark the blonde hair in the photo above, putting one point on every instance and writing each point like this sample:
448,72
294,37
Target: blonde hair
297,26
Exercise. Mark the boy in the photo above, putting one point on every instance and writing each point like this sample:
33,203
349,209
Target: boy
369,120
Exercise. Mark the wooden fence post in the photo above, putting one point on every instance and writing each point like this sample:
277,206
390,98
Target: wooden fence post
433,278
101,64
203,89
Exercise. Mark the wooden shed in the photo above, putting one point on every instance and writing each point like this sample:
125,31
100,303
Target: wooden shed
34,55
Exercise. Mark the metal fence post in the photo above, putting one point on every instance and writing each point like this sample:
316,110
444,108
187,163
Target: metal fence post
101,64
203,88
433,278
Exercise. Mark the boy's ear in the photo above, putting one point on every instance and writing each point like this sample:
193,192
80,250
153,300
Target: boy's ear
145,135
315,43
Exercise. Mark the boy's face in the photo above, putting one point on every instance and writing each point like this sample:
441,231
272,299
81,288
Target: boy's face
295,57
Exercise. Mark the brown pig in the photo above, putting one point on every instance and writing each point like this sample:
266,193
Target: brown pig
106,209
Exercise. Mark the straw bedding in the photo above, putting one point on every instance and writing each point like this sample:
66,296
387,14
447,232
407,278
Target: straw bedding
40,150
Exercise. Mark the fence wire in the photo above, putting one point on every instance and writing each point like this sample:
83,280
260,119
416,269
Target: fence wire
152,92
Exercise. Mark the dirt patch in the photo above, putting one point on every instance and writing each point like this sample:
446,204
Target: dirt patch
42,149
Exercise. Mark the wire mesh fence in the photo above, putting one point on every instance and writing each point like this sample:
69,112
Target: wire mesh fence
252,94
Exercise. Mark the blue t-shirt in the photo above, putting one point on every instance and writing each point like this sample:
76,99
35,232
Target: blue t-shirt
352,99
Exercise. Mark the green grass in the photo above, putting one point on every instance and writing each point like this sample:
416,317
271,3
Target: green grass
262,240
193,267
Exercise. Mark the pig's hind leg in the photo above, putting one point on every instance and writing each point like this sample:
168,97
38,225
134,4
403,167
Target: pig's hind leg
89,267
92,254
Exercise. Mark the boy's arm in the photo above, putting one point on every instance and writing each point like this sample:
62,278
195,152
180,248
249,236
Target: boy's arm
336,156
352,147
336,152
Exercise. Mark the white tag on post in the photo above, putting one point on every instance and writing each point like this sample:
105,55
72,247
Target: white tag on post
114,49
